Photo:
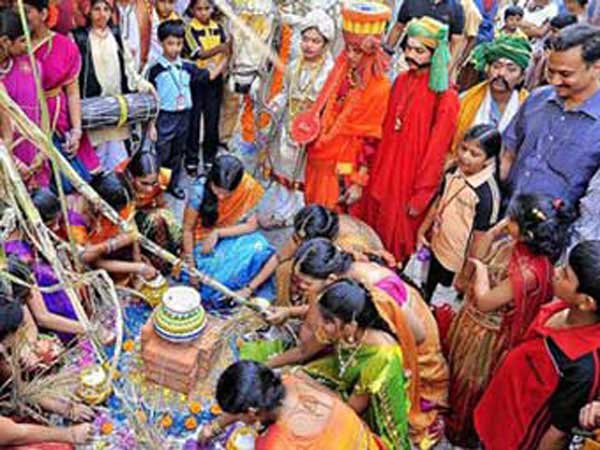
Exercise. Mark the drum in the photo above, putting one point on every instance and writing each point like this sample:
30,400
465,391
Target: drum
102,112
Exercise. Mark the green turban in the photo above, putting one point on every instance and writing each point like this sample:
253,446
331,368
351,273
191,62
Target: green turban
517,49
433,34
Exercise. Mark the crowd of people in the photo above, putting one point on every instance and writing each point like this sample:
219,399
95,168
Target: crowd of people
439,171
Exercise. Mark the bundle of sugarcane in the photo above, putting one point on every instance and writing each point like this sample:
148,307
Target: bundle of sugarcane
116,111
39,235
23,393
33,134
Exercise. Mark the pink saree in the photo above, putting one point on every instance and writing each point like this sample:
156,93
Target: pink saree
60,60
19,84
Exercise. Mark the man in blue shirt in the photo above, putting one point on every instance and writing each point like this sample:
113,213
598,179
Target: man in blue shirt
552,146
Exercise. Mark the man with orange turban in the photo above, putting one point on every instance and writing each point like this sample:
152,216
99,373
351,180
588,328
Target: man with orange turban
343,126
417,133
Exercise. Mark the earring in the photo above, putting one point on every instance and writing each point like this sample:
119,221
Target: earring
349,342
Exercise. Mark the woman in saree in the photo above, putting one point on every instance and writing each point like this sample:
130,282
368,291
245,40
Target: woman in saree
512,280
318,263
153,217
52,311
220,230
60,64
310,222
367,366
296,413
17,77
15,436
102,244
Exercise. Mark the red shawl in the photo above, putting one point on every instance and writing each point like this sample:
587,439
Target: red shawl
531,279
513,413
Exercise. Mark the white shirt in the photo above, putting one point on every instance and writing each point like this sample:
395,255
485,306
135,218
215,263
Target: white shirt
130,32
540,16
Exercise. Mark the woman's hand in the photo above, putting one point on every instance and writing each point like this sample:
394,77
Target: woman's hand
421,239
245,292
589,416
210,241
152,132
73,141
145,87
106,336
276,315
500,228
82,413
81,434
208,432
479,265
353,194
148,272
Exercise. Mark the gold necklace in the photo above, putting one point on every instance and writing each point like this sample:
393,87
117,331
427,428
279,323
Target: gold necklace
344,365
294,101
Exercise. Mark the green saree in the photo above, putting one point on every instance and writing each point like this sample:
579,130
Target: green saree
376,371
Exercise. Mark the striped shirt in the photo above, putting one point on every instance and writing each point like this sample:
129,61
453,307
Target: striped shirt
200,37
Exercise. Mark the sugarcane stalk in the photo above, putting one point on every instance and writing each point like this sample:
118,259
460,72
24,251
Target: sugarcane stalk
33,133
22,197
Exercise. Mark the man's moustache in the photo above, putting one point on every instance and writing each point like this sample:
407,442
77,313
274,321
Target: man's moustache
506,85
415,63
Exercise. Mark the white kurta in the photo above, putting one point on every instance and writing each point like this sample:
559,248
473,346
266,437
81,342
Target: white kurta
287,160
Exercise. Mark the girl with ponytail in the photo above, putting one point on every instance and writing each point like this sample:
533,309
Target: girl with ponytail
510,280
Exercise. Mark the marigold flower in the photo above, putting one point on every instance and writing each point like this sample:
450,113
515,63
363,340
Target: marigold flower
106,428
191,423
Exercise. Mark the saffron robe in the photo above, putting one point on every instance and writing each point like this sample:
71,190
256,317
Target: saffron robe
407,167
345,127
527,379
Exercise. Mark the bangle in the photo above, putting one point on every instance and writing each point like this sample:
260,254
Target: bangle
361,179
216,427
109,246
